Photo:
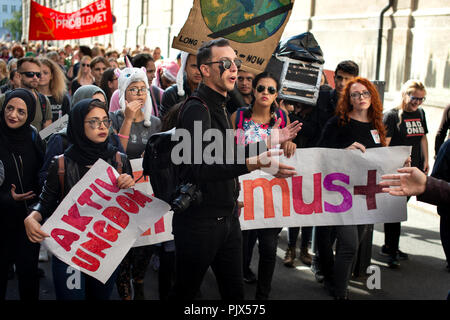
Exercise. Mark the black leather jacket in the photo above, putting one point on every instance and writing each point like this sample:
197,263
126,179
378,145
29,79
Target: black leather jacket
50,196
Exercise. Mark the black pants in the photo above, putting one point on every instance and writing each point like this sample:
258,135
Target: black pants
204,242
248,242
267,246
16,248
445,236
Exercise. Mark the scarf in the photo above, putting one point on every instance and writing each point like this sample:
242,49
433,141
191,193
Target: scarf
84,151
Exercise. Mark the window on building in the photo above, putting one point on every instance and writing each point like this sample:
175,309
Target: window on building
13,8
5,8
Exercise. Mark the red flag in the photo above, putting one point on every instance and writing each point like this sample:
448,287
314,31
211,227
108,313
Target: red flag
92,20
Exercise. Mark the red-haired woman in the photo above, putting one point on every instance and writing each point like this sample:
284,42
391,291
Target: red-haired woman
358,124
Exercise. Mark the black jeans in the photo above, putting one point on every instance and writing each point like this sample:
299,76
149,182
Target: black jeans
267,245
204,242
16,248
293,235
445,236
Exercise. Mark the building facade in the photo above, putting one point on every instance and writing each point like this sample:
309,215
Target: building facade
7,9
414,43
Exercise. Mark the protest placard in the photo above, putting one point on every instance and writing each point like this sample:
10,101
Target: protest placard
332,187
54,127
252,27
97,223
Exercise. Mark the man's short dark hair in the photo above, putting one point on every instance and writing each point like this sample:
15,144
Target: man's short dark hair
204,53
140,60
348,66
99,59
21,61
86,51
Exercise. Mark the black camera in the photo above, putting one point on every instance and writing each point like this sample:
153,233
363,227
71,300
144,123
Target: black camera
187,194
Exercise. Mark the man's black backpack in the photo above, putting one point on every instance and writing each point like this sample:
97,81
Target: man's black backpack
165,176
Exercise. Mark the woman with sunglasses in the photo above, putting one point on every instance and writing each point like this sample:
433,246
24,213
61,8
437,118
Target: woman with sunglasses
406,126
357,125
134,126
21,153
254,124
88,131
53,84
84,75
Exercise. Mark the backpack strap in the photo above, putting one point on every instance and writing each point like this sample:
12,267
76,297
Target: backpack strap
119,162
61,171
184,104
43,105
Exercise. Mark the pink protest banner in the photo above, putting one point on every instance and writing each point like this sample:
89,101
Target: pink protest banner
332,187
97,223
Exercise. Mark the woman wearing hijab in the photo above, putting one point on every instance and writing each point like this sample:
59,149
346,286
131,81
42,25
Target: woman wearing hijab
22,153
88,132
58,142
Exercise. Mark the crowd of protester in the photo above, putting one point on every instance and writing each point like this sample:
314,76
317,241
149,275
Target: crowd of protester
117,100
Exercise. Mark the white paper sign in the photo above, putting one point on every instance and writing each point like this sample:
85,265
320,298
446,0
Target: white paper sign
54,127
161,231
332,187
96,224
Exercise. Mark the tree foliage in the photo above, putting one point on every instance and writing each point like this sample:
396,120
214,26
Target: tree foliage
14,25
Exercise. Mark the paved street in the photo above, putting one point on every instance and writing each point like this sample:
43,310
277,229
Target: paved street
423,276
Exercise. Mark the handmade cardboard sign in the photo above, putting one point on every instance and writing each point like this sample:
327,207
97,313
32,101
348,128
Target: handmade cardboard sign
97,223
253,28
54,127
332,187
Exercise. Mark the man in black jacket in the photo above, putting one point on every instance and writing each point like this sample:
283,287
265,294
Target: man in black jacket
209,234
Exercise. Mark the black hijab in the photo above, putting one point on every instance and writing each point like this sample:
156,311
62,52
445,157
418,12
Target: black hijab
84,151
20,139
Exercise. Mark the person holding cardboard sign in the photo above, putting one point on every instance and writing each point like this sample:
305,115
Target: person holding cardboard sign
88,131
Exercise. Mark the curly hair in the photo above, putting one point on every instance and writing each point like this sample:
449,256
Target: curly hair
57,85
375,112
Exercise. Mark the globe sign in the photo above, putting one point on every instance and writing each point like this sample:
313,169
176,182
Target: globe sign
222,14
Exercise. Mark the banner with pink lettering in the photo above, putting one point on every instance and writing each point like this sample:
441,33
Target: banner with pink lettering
97,223
332,187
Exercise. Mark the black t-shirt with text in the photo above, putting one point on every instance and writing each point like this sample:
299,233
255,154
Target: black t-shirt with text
412,128
339,136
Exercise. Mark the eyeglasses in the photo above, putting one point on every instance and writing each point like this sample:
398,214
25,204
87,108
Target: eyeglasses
96,123
357,95
31,74
417,99
85,65
261,88
136,91
226,63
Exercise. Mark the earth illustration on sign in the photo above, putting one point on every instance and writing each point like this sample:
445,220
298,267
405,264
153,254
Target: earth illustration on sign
220,15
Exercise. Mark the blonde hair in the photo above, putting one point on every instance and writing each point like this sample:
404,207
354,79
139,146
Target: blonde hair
407,88
57,85
80,68
3,69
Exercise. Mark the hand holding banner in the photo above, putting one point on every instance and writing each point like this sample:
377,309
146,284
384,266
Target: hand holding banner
97,223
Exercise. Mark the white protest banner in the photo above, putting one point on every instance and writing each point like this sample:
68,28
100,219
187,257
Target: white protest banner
332,187
161,231
97,223
54,127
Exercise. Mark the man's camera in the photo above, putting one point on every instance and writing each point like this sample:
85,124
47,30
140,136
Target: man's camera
186,195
